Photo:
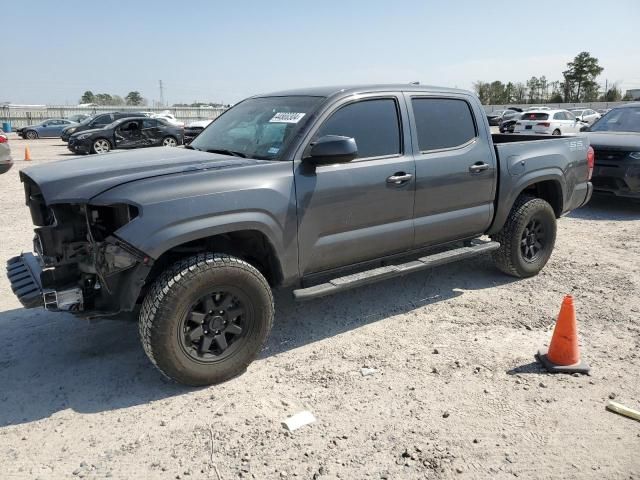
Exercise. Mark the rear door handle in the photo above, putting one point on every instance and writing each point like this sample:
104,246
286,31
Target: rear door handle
399,178
478,167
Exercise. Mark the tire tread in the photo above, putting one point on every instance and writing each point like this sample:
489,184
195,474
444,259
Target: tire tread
172,283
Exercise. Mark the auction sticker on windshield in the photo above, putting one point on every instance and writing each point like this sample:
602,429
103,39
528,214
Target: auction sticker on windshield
286,117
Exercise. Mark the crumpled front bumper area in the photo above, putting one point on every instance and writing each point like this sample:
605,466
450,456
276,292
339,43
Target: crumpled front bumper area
24,274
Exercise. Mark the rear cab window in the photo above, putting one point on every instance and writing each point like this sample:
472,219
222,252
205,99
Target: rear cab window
443,123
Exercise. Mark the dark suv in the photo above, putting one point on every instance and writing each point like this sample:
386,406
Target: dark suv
98,121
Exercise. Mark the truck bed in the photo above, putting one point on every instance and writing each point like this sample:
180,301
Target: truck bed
558,160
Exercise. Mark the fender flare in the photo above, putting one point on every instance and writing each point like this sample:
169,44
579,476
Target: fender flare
507,200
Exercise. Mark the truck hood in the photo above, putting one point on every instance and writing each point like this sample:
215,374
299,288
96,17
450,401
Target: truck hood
79,179
628,141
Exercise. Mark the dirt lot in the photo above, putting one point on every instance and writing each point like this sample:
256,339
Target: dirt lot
456,393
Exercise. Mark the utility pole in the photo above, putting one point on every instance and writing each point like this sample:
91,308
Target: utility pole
161,94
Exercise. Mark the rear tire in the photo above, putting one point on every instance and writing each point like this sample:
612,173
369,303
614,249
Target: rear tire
206,318
527,238
31,135
556,132
169,142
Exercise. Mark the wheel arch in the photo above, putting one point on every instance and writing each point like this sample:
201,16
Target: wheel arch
250,245
549,186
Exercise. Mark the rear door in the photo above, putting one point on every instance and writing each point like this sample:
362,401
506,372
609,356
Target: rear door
58,127
572,125
151,133
48,128
353,212
455,168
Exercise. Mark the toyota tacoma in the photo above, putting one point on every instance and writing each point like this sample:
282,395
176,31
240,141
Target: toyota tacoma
317,190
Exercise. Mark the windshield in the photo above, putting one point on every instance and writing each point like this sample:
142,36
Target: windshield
87,120
259,128
619,120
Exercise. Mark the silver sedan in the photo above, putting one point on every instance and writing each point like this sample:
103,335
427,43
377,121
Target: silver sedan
6,162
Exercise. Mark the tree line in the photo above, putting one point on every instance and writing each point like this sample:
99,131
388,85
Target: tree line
132,98
578,85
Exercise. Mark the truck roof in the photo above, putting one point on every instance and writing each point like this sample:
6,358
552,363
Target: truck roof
330,91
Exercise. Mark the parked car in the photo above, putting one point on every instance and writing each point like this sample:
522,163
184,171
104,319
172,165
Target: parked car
192,130
296,189
52,127
169,117
535,109
548,122
98,121
494,117
586,115
508,121
78,117
127,133
6,162
616,141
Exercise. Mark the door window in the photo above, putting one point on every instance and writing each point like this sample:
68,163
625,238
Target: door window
442,123
102,120
149,123
374,125
559,116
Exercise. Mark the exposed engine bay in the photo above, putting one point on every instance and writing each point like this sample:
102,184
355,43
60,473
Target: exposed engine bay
83,266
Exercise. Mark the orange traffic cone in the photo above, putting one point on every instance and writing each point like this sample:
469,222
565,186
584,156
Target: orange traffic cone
563,355
27,153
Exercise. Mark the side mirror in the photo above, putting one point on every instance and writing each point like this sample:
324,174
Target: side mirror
332,149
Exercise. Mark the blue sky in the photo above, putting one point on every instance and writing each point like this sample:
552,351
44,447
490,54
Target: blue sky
225,51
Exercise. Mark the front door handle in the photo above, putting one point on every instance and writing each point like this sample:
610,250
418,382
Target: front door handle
478,167
399,178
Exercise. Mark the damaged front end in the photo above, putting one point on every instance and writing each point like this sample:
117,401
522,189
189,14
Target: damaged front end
79,264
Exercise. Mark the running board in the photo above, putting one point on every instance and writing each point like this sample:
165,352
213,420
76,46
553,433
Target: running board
347,282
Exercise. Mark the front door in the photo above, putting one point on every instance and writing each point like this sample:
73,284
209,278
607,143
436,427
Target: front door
129,134
357,211
455,169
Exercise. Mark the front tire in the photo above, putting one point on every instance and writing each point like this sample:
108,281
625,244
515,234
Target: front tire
101,145
556,132
31,135
206,318
527,238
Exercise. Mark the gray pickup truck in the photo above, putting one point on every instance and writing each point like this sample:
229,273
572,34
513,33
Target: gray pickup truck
319,190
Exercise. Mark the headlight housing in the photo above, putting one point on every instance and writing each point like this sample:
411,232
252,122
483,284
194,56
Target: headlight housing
104,220
71,130
84,136
635,155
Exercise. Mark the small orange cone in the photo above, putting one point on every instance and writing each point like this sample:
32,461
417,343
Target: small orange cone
563,355
27,153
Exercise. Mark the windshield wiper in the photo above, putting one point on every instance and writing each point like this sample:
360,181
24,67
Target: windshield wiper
224,151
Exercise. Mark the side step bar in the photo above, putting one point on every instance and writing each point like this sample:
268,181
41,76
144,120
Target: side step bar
477,247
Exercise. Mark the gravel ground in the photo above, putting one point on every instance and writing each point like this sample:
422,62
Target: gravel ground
455,392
